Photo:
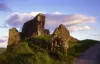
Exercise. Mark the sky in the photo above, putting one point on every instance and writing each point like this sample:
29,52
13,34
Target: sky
81,17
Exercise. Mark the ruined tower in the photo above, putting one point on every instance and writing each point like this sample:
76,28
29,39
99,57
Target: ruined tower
61,37
34,26
14,36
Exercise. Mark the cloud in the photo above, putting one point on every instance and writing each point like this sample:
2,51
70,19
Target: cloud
79,28
3,41
3,44
18,19
5,37
94,36
52,20
4,7
79,18
69,20
3,26
35,13
57,13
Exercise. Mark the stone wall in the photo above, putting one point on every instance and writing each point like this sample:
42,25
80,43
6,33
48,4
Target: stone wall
34,26
14,36
46,32
60,38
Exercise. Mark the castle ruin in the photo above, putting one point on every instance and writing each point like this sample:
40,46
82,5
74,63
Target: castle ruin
36,27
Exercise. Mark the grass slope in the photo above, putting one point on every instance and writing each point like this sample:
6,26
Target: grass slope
2,50
31,51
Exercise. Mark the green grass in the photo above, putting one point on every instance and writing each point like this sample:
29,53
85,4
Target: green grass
31,51
78,48
2,50
27,52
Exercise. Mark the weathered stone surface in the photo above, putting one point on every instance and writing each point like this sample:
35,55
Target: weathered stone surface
14,36
61,38
72,39
34,26
46,32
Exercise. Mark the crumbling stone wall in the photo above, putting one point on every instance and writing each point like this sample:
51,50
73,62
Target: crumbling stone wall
60,38
34,26
46,32
14,36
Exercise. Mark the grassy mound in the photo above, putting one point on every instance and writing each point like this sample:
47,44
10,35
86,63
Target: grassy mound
34,51
76,49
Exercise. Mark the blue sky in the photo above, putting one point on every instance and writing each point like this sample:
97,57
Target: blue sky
82,9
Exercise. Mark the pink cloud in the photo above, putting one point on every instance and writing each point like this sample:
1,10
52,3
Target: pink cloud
79,28
52,20
3,41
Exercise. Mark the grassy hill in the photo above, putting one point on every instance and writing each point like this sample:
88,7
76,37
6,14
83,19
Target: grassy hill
2,50
31,51
76,49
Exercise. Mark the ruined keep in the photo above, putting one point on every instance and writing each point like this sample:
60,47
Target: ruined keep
34,26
